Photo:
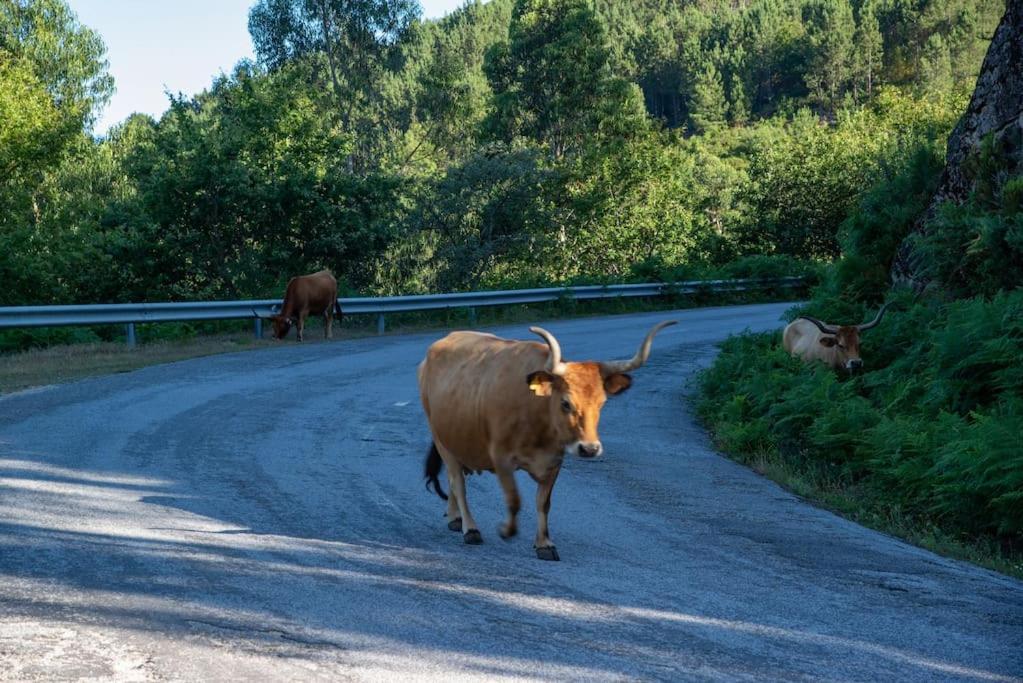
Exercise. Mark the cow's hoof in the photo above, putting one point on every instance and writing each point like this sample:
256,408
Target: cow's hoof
505,532
549,553
473,537
455,524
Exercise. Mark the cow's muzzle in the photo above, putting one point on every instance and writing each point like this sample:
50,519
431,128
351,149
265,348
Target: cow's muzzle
854,365
589,450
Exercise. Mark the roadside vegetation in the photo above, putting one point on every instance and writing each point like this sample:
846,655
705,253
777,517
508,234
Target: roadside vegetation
927,442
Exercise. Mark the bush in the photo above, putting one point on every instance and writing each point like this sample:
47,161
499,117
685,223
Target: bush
40,337
935,428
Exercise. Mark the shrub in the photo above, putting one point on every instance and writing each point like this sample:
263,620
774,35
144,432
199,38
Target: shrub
934,428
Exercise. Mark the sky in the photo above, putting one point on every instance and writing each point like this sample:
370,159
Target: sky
155,46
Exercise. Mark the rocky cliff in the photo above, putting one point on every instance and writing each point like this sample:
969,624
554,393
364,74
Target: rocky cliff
995,109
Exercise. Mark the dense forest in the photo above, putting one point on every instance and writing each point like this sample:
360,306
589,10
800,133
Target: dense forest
512,142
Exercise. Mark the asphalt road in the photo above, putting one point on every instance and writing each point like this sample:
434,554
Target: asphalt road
262,515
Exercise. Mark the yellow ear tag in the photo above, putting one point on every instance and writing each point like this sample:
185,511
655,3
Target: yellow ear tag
540,387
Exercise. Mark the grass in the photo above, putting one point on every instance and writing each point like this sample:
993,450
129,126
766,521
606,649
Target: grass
866,506
69,362
926,445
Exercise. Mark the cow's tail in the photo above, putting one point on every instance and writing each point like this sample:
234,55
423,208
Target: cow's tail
337,308
433,466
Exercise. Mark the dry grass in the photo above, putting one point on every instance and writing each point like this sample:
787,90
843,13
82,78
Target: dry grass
67,363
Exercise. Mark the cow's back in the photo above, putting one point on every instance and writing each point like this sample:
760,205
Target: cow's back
310,294
801,338
473,388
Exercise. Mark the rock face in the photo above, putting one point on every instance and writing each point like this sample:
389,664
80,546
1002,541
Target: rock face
996,108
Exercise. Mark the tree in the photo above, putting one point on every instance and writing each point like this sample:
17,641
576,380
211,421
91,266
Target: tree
66,57
52,80
552,80
831,29
738,106
936,65
708,106
357,40
869,48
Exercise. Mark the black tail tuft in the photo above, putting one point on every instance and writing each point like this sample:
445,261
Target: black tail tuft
337,306
433,465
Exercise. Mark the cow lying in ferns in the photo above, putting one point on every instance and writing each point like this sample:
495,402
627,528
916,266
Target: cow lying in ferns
835,345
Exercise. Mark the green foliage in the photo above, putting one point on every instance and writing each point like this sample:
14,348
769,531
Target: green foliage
19,340
66,57
52,77
517,141
934,426
806,177
707,103
775,54
977,247
552,80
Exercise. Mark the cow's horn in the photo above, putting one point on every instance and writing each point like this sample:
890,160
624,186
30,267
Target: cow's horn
611,367
554,364
875,321
826,329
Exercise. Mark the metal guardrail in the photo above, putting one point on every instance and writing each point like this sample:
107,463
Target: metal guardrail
131,314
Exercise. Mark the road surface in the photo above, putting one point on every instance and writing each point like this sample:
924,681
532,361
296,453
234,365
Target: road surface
262,516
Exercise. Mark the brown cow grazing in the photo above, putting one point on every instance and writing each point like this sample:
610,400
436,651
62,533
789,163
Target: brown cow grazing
836,345
502,405
307,295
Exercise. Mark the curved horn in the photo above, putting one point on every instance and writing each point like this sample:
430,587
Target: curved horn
875,321
826,329
554,364
610,367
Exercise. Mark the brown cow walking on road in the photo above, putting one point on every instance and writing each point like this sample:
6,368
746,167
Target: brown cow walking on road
307,295
501,405
836,345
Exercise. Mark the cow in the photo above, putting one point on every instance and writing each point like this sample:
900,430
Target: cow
307,295
501,405
835,345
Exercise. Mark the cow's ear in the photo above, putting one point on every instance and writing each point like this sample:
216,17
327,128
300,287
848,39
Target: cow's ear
541,382
617,383
828,341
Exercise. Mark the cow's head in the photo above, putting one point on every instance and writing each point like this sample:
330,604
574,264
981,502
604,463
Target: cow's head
282,325
576,392
845,340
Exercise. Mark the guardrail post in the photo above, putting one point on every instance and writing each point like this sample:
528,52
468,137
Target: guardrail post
131,335
257,328
380,324
472,315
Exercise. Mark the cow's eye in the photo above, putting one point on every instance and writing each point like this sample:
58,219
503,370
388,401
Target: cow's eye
566,405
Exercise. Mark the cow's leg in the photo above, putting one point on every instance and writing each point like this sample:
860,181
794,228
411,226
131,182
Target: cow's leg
456,480
452,515
506,475
301,328
328,322
545,549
